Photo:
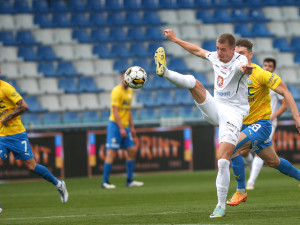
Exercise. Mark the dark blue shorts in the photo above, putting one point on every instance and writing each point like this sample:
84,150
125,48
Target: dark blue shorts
259,134
18,144
114,140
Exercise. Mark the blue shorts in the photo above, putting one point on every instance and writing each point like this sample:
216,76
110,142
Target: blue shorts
114,140
259,134
18,144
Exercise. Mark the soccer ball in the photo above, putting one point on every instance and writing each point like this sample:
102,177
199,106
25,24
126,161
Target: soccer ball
135,77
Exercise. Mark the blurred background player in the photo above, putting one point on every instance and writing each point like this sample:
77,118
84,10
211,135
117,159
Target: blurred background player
13,136
278,106
257,126
226,109
120,134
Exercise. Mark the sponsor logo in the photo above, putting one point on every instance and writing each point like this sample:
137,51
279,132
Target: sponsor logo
220,93
271,78
220,81
224,67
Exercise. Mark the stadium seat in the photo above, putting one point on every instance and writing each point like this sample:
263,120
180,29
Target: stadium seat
261,30
187,16
222,16
264,45
152,18
59,6
48,69
64,51
67,69
26,38
136,34
15,85
6,7
46,53
209,46
132,5
121,65
205,16
147,99
164,97
104,115
97,19
183,97
118,34
69,85
80,20
90,117
293,28
24,21
82,36
257,3
33,104
142,63
85,67
190,31
120,50
70,117
243,30
40,6
113,5
297,58
100,35
62,36
30,86
51,118
102,50
153,46
27,53
282,44
290,13
166,112
51,103
257,15
28,69
139,50
185,112
116,19
273,13
77,5
159,83
240,15
295,42
108,64
169,16
89,101
178,64
87,84
204,3
7,22
22,6
49,86
43,20
8,38
9,54
95,5
186,4
168,4
295,91
10,69
61,20
29,119
134,18
84,51
155,34
147,114
150,4
202,78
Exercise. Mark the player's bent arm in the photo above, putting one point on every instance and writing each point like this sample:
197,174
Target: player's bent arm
280,110
117,117
193,49
21,107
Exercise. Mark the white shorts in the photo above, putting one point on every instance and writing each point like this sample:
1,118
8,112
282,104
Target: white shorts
274,126
228,118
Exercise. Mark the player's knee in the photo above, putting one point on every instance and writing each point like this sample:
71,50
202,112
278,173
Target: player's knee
273,163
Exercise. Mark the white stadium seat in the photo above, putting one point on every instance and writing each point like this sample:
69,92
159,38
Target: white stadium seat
70,102
273,13
50,86
63,36
24,21
51,103
89,101
169,16
65,51
224,28
44,36
106,82
9,54
293,28
290,13
104,100
104,66
190,32
29,69
84,51
30,86
7,22
187,16
208,32
277,28
10,70
86,67
263,45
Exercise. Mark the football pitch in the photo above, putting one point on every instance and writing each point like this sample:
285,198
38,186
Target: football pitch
166,198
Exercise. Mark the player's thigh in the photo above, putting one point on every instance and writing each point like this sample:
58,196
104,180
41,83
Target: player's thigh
113,136
243,146
127,142
131,153
269,155
198,92
30,163
110,155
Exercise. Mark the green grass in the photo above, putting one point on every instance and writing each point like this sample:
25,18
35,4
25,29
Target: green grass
169,198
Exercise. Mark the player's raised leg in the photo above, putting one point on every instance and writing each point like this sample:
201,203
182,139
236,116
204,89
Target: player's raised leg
257,165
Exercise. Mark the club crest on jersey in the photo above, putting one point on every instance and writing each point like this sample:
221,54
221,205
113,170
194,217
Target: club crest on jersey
220,81
249,81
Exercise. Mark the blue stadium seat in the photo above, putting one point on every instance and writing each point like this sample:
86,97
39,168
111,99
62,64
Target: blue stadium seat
102,50
159,83
51,118
22,6
186,4
168,4
202,78
70,117
185,111
121,65
87,84
147,114
257,3
297,58
295,91
67,69
46,53
134,18
118,34
290,2
295,42
82,36
80,20
142,63
68,84
113,5
27,53
147,99
243,30
257,15
8,38
282,44
29,119
222,16
48,69
43,20
77,5
240,15
33,104
116,19
183,97
223,3
139,50
154,33
25,37
205,16
166,112
132,4
59,6
239,3
100,35
120,50
150,4
61,20
97,19
178,64
153,46
152,18
204,3
95,5
90,117
6,7
104,115
164,97
254,60
40,6
261,30
136,34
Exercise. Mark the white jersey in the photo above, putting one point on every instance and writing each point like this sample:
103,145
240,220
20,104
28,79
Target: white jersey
275,102
230,86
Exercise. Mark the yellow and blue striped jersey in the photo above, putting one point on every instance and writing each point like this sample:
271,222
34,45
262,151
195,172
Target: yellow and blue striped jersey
8,99
121,98
259,83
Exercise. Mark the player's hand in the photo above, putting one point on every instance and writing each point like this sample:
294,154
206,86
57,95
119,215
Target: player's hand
123,132
133,132
247,69
170,34
297,122
272,118
4,121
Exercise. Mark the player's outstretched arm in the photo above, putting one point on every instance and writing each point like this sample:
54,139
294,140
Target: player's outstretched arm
246,69
194,49
283,90
21,107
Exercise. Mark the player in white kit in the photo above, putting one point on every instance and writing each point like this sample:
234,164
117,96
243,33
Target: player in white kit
229,105
278,106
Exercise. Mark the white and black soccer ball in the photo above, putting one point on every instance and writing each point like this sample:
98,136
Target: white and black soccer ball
135,77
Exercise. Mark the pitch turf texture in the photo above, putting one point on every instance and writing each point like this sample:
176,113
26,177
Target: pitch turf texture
167,198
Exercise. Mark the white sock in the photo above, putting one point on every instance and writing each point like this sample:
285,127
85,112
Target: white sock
58,185
180,80
222,181
248,160
256,168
